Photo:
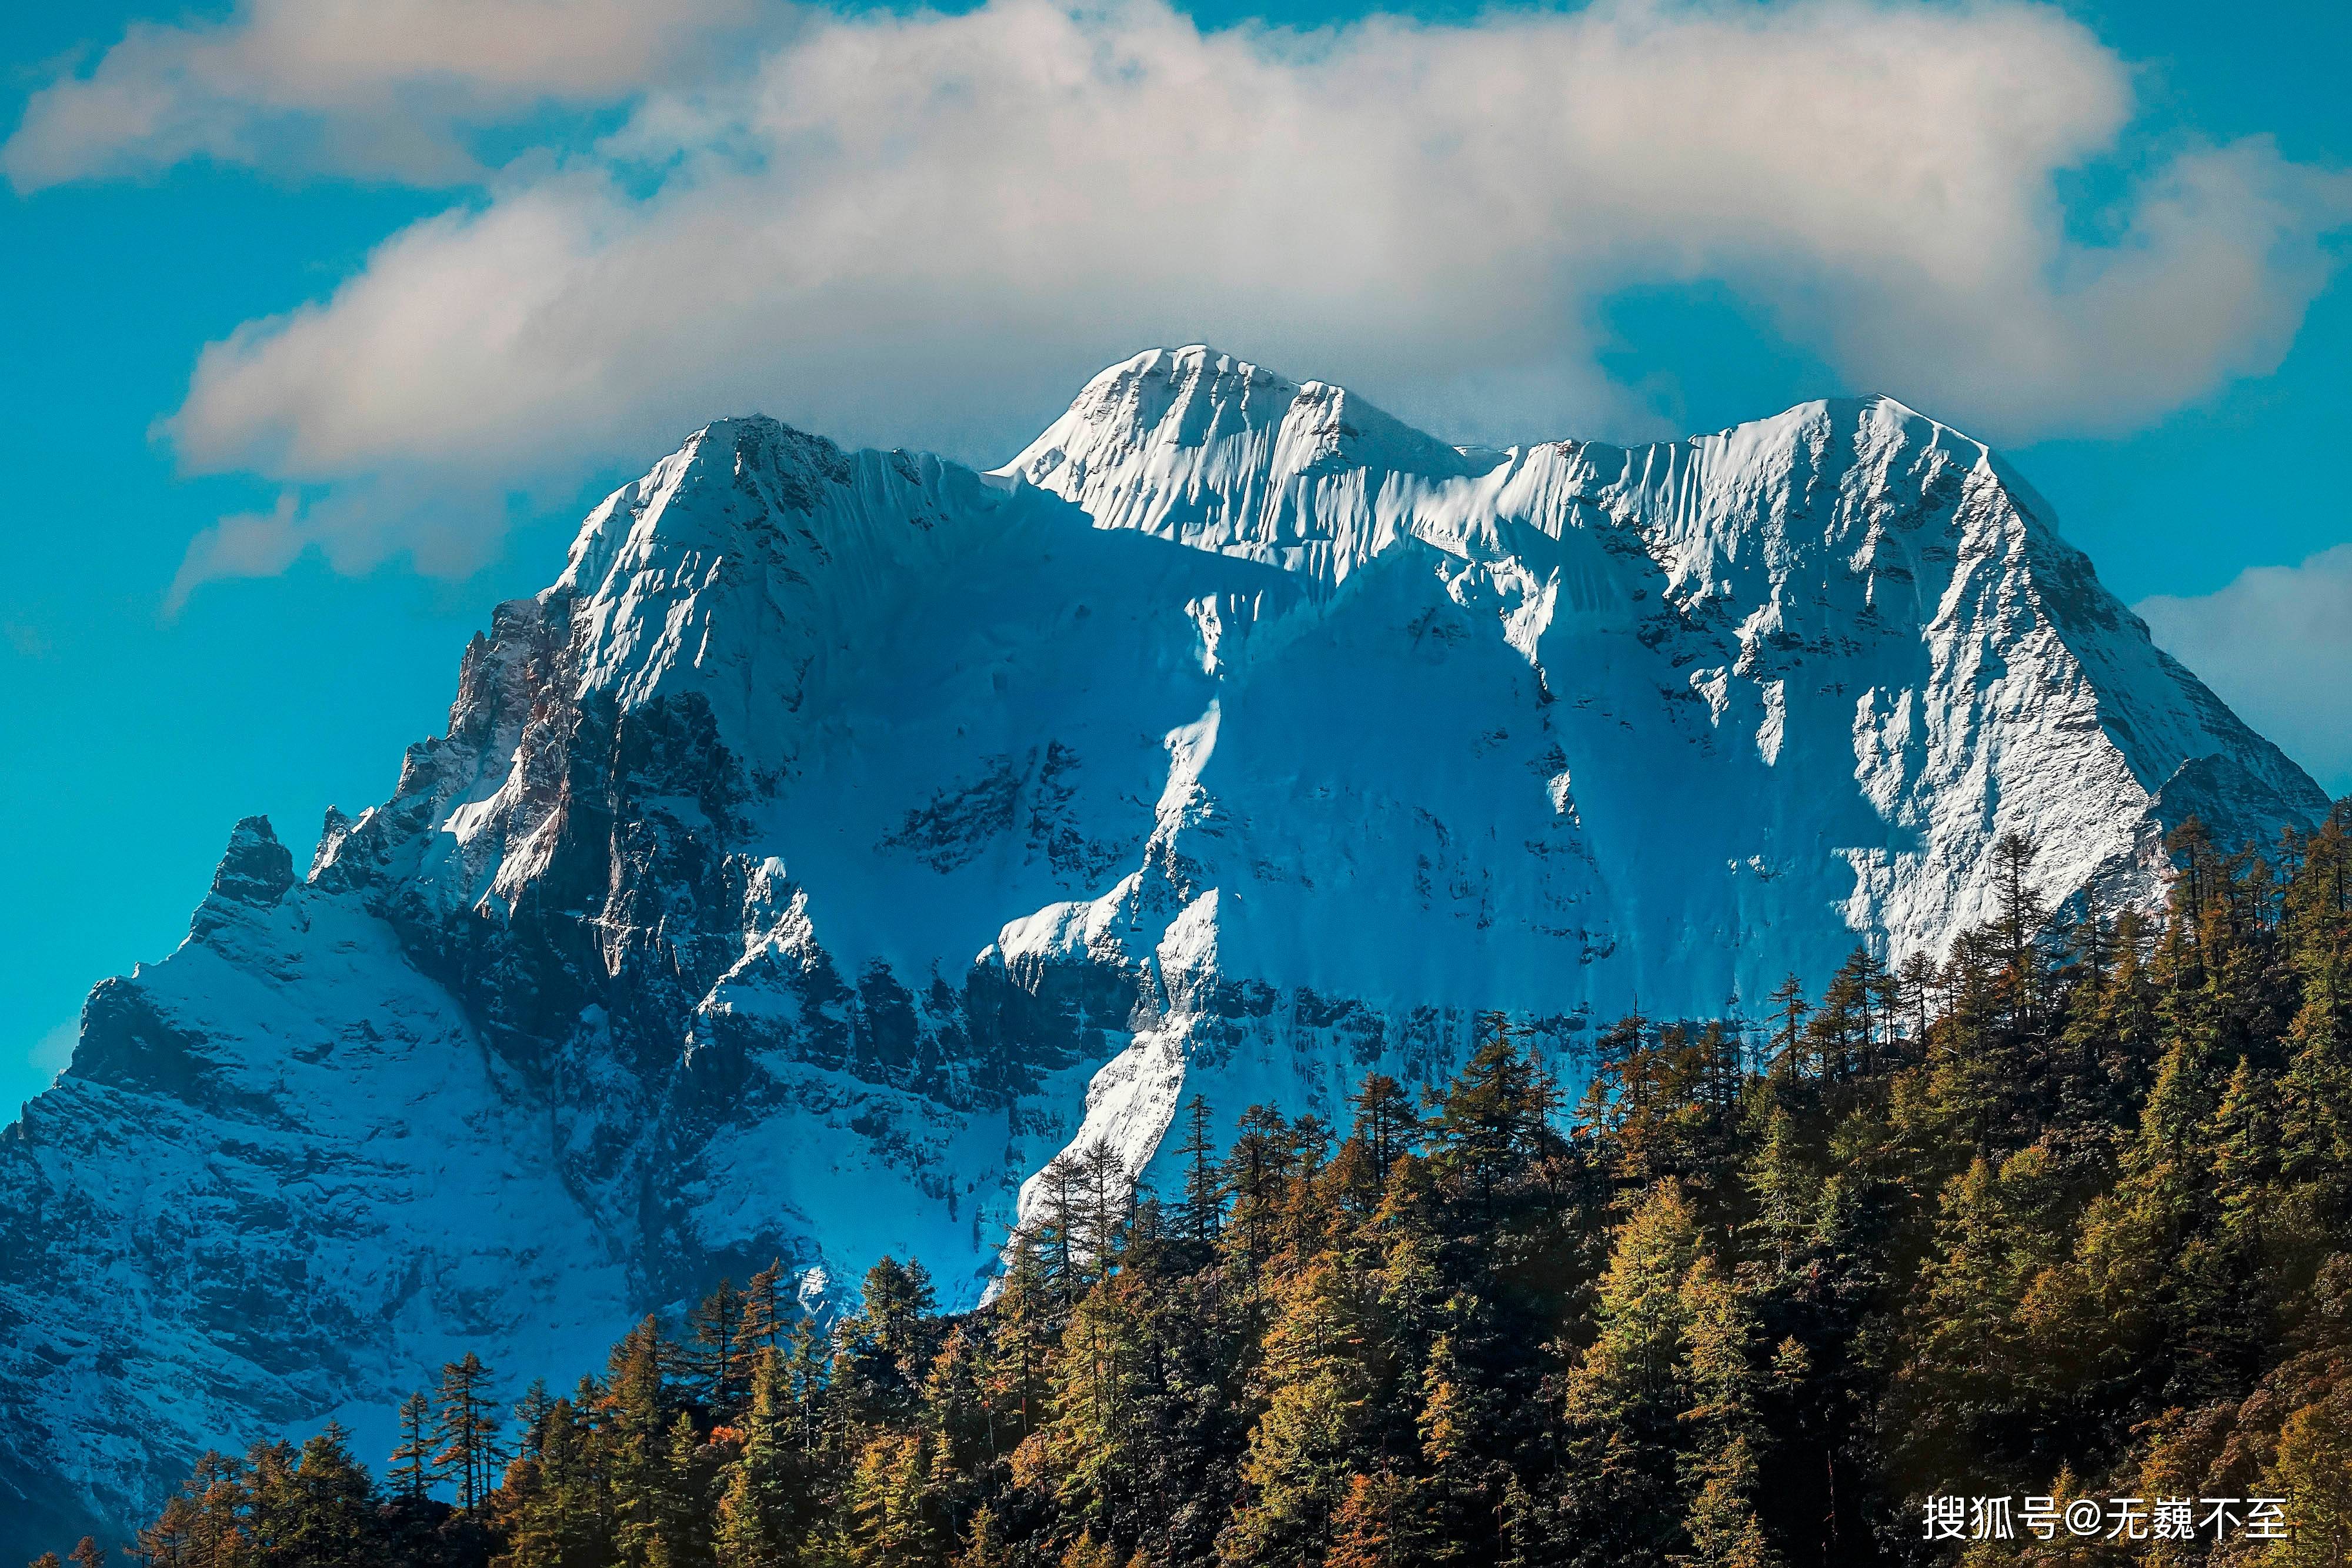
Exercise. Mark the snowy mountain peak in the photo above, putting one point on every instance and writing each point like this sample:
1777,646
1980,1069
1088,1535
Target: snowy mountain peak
734,473
255,872
1196,445
1199,446
842,834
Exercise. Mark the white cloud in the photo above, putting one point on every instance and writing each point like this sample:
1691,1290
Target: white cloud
2275,645
447,526
248,545
927,230
53,1052
380,87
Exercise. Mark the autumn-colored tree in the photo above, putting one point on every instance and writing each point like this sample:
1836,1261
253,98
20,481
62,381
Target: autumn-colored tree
466,1422
2059,1210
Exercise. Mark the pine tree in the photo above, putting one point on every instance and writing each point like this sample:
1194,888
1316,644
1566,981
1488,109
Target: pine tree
532,1412
683,1538
1319,1377
1057,1224
2019,923
166,1543
1724,1426
1106,1204
718,1350
754,1505
560,1509
331,1526
637,1440
767,1309
1783,1184
1839,1035
1788,1009
1027,1325
1492,1122
2311,1466
1915,990
1201,1217
1641,1313
1385,1120
984,1542
1089,1445
1257,1168
273,1509
805,1374
2245,1144
414,1467
216,1488
1458,1410
894,1517
1625,1396
466,1421
1374,1527
898,1297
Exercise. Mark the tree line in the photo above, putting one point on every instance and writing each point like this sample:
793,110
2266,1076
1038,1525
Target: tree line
2068,1213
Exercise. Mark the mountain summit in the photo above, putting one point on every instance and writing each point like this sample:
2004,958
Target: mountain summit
844,833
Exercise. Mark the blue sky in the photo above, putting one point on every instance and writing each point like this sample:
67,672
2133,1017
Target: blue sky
326,319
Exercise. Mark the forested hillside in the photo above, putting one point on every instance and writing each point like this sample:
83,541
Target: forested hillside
2063,1218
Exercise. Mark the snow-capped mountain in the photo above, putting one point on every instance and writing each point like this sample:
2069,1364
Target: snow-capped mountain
844,833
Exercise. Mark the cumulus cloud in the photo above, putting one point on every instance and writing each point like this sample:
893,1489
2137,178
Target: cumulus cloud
926,229
380,88
2275,645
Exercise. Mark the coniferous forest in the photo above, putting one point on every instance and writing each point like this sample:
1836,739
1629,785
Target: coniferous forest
2066,1217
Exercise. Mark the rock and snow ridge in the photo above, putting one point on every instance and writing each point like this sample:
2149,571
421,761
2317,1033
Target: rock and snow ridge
844,833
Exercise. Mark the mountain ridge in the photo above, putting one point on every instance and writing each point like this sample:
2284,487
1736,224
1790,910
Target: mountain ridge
842,834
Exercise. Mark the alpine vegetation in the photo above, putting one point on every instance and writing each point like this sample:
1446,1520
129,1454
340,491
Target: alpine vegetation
2059,1223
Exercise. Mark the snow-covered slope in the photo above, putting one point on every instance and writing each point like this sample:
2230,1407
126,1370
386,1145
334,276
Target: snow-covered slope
842,834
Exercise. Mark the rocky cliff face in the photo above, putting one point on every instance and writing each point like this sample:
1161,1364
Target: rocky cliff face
844,833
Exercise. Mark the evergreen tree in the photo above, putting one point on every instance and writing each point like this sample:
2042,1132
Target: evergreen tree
892,1514
1106,1204
767,1312
467,1423
1788,1009
2058,1215
984,1546
168,1543
1257,1171
720,1348
415,1465
637,1440
1202,1215
1493,1120
330,1524
1320,1373
1724,1426
755,1510
1385,1120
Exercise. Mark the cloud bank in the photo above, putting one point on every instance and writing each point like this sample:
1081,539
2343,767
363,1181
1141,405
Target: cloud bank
926,229
2275,645
381,88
